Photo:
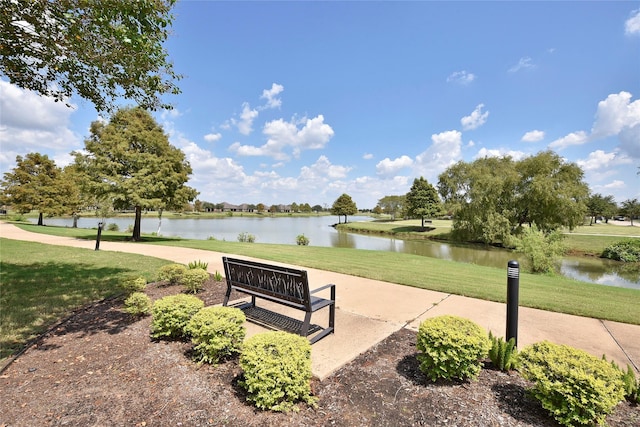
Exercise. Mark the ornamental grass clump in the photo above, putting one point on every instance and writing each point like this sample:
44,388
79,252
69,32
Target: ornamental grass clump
451,348
193,279
138,304
216,333
503,354
277,370
172,313
172,273
574,386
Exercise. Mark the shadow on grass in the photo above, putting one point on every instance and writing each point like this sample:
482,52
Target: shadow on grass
35,296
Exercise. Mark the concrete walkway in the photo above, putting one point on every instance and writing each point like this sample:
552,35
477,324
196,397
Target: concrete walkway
369,310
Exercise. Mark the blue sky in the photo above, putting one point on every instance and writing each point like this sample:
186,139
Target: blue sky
302,101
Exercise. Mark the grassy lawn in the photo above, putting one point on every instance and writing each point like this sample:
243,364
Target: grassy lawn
40,284
553,293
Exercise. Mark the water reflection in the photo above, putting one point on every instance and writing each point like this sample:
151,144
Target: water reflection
284,230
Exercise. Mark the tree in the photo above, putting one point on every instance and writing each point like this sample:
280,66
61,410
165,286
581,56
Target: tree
100,50
131,162
422,200
392,205
631,208
36,183
344,205
493,198
599,205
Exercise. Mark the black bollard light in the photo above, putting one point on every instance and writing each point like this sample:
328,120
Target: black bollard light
513,284
98,238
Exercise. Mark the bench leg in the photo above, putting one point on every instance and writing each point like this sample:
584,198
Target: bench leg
305,326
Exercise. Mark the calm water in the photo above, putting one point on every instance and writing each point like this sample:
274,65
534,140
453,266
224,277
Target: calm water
284,230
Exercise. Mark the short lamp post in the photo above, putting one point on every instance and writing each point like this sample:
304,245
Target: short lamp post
513,284
98,237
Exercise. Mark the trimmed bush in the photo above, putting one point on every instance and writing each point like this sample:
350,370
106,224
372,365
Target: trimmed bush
138,304
134,284
172,313
574,386
451,348
502,353
627,250
172,273
277,370
194,279
216,332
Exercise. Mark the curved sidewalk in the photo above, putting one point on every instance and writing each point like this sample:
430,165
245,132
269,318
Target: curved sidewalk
369,310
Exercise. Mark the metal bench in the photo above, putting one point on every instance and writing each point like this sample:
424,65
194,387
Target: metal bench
282,285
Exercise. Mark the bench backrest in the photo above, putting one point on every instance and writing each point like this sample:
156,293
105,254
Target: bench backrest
281,283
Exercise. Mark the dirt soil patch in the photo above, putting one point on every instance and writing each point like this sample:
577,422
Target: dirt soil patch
99,367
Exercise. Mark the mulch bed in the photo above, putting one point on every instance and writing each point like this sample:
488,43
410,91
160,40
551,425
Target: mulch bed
99,367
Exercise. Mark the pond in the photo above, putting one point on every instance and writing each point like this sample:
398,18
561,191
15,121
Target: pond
284,230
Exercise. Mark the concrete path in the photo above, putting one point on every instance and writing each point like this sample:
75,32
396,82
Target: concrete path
369,310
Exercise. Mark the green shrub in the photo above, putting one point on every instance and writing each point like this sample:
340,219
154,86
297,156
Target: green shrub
502,353
171,315
627,250
216,332
194,279
217,276
113,227
138,304
277,370
133,284
451,348
302,240
198,264
543,251
172,273
574,386
246,237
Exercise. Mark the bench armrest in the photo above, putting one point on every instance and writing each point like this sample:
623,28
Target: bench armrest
322,288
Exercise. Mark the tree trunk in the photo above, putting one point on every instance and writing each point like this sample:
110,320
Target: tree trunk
422,217
159,221
75,220
41,222
136,225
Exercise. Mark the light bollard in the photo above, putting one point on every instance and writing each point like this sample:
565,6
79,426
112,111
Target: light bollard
513,285
98,237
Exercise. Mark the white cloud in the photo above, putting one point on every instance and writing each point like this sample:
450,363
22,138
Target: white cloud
461,77
315,134
616,113
388,167
600,160
34,123
367,156
212,137
322,169
614,185
245,124
574,138
271,96
515,155
476,119
523,63
632,25
533,136
444,151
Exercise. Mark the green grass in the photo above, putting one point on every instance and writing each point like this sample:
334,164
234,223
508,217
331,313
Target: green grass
40,284
408,229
